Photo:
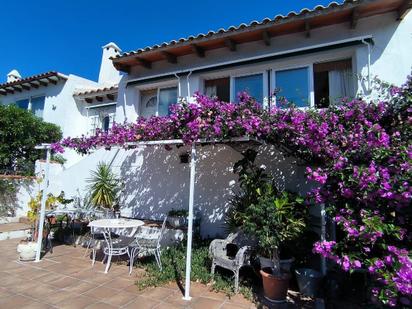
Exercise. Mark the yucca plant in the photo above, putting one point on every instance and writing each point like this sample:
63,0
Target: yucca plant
103,186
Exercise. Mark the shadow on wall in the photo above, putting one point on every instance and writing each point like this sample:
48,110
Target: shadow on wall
155,182
15,195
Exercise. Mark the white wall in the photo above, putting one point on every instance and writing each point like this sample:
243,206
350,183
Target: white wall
390,57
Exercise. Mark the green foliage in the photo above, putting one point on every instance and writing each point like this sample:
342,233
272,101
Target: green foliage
51,202
103,186
174,263
58,158
251,178
20,132
178,213
276,218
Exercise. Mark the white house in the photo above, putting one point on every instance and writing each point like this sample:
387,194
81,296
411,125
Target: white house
313,58
54,97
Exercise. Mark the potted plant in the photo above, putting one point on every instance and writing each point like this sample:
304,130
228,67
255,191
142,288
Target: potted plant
177,217
104,187
274,219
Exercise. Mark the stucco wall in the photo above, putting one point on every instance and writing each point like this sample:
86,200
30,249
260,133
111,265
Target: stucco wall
390,57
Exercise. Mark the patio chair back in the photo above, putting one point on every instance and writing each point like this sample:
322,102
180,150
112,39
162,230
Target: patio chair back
162,231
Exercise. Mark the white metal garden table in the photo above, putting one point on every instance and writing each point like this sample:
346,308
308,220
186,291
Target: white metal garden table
117,246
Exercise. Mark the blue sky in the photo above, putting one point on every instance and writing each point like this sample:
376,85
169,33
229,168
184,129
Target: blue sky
66,36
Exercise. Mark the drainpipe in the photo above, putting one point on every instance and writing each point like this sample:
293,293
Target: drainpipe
369,63
188,84
179,90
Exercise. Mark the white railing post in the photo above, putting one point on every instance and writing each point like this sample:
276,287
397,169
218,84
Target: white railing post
43,205
190,223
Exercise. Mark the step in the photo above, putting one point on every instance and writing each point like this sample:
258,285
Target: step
14,230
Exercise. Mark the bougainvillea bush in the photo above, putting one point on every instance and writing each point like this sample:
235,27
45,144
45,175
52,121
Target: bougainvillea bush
360,154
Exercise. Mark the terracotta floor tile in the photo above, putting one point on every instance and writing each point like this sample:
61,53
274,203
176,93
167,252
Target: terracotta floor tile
80,288
142,303
176,299
36,305
100,292
40,291
239,299
214,295
80,302
119,298
58,297
206,303
14,301
101,306
64,282
119,283
158,293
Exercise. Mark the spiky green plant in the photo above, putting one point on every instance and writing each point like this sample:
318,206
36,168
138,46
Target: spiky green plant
103,186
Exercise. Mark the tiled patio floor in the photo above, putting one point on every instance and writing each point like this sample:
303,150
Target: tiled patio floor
65,279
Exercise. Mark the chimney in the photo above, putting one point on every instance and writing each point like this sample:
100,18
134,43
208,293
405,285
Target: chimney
108,73
13,76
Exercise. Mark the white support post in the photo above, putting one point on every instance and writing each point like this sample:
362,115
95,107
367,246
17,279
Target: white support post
190,223
43,206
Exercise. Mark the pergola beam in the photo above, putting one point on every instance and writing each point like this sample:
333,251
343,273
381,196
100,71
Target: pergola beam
231,44
199,51
169,57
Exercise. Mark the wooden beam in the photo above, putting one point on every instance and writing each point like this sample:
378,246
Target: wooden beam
110,96
354,18
99,98
266,37
404,9
3,92
34,85
230,44
169,57
43,83
25,87
307,28
144,62
199,51
8,90
122,67
89,100
53,81
17,88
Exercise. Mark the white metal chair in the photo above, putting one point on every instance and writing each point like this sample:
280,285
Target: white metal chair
149,245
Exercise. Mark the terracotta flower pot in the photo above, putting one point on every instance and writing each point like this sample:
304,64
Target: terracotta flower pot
275,287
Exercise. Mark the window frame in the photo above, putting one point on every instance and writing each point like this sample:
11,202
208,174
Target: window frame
158,96
311,90
30,98
245,74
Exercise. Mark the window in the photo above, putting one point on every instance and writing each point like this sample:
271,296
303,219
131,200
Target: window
167,97
37,106
219,87
24,104
106,123
332,82
157,101
252,84
148,104
293,85
34,104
